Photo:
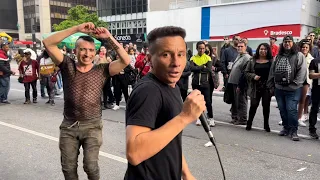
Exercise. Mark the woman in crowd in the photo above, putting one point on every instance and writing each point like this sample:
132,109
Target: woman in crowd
108,98
120,85
48,76
305,47
132,56
257,73
216,68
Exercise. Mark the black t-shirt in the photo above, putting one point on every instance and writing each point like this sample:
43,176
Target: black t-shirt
152,104
315,66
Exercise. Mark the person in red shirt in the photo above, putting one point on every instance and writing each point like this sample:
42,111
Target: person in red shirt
274,47
143,61
29,70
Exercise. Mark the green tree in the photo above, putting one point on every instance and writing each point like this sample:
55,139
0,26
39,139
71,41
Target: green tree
317,29
78,15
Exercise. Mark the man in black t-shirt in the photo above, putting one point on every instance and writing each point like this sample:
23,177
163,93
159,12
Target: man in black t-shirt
314,74
155,115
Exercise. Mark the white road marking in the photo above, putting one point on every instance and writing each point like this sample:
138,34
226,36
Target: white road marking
16,90
39,94
101,153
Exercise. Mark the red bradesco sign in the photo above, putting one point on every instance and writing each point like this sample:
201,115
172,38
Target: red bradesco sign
266,32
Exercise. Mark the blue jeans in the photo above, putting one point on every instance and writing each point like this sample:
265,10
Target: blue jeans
288,107
59,80
4,88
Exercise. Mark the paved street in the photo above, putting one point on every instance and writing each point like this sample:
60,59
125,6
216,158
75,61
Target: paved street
29,135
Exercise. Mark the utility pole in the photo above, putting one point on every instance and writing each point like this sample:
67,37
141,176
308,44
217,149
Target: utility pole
33,31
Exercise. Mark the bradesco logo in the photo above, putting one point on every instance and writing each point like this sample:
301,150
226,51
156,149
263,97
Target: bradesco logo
277,33
122,38
280,33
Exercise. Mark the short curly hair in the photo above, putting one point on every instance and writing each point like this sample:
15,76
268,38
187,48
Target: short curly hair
166,31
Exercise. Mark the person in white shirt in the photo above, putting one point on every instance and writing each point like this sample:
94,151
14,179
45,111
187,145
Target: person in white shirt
33,54
48,76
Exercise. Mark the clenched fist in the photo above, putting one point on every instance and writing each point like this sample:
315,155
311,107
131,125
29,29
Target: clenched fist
193,106
86,28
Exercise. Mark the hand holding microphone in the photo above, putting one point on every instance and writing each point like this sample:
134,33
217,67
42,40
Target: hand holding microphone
193,106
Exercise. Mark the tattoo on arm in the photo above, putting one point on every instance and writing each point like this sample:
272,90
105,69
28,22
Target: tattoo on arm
112,44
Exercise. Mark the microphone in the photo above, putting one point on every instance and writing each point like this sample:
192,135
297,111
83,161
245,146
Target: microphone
206,127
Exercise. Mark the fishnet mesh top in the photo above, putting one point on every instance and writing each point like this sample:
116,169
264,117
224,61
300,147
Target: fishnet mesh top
82,91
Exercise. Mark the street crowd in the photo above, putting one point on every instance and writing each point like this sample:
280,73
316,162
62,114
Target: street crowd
288,71
156,114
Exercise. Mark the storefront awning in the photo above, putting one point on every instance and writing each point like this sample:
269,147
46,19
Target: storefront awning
22,42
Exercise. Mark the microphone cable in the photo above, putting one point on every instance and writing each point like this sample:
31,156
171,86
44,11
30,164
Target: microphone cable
222,169
203,119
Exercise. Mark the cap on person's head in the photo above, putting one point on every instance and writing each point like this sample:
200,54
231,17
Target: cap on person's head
26,51
4,44
273,37
288,38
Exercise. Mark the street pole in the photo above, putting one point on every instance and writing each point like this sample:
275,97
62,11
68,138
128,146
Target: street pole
33,31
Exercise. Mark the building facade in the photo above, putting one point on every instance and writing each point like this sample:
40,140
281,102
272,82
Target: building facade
9,18
256,20
126,18
43,14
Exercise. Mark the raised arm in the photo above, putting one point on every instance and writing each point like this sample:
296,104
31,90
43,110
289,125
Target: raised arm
51,42
115,66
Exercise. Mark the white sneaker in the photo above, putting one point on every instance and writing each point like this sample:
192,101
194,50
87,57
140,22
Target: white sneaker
208,144
116,108
305,117
302,124
211,122
198,123
280,123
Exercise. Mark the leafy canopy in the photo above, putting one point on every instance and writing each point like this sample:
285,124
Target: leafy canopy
78,15
317,29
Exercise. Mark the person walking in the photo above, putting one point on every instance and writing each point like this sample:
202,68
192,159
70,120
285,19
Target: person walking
29,71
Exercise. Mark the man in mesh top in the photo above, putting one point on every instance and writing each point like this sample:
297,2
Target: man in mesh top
83,83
